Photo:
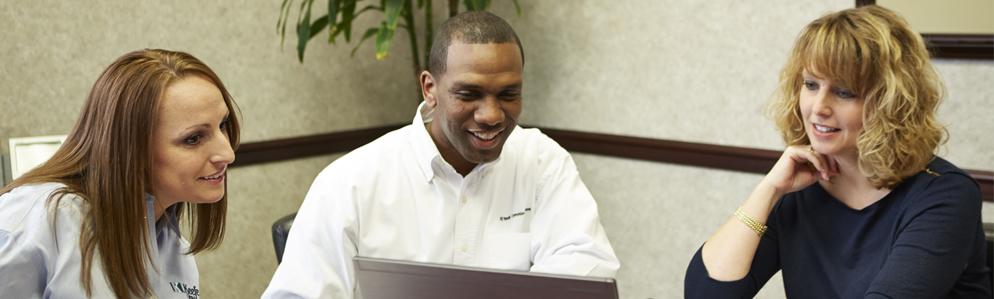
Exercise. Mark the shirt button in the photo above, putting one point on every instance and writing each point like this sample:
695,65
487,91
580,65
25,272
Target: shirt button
463,201
464,247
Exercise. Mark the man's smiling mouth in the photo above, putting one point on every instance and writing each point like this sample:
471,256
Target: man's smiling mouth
486,136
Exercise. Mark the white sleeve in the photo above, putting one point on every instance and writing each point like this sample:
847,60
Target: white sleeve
317,261
39,260
22,269
568,236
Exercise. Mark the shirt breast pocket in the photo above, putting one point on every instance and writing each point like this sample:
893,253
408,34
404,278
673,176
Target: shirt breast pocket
508,251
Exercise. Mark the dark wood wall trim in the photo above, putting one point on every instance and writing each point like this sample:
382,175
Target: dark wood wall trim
697,154
300,147
676,152
961,46
986,181
954,46
666,151
865,2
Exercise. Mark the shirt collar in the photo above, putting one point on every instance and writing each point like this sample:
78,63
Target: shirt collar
424,147
154,226
425,150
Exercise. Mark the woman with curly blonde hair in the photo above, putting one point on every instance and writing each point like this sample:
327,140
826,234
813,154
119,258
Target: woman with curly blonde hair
859,205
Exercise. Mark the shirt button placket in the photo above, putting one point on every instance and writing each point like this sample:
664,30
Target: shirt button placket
462,235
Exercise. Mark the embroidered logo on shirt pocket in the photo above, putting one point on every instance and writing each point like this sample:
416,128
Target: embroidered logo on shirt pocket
508,251
522,213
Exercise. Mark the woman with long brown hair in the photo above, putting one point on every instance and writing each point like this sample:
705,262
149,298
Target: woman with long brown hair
100,218
859,205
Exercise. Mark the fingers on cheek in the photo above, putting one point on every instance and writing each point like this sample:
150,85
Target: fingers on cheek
816,162
812,168
827,163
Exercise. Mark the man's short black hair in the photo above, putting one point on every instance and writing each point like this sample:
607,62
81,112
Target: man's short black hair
471,27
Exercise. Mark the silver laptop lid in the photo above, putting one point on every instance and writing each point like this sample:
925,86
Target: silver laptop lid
382,278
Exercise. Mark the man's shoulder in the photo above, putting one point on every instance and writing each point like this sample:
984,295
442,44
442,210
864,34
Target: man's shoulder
531,143
390,142
533,138
387,150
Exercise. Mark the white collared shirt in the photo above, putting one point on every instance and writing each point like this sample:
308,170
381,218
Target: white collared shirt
396,198
38,260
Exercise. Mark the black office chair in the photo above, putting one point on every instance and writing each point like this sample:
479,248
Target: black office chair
989,235
281,229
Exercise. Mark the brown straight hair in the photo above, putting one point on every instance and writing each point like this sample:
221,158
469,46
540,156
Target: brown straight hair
106,161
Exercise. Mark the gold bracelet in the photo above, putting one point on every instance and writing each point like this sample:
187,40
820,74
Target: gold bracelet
752,223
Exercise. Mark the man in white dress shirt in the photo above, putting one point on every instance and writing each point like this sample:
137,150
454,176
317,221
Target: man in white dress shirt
455,187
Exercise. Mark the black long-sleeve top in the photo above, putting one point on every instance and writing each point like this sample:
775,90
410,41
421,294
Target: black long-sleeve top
923,240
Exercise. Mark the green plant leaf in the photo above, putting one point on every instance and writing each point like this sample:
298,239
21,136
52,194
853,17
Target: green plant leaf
317,26
285,16
300,14
477,4
348,14
421,3
369,33
453,8
368,8
391,11
346,23
429,33
280,20
408,15
333,13
383,38
334,33
517,7
304,31
303,4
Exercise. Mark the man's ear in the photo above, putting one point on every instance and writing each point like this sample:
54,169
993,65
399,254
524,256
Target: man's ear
428,85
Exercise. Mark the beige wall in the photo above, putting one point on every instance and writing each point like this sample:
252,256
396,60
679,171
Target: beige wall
696,71
53,51
960,16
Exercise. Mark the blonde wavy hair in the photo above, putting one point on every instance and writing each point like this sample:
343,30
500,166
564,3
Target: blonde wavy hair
872,51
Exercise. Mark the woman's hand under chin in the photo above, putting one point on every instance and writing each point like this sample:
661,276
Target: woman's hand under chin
799,167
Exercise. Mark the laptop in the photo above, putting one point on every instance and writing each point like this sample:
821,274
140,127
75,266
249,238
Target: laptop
382,278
